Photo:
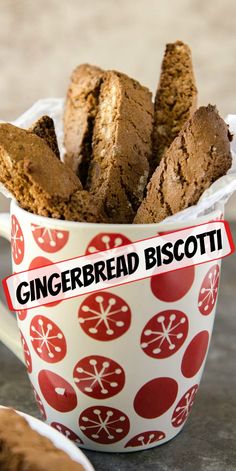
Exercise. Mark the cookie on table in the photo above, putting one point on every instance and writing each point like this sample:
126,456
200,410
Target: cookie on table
80,111
44,128
198,156
176,98
22,448
39,181
121,146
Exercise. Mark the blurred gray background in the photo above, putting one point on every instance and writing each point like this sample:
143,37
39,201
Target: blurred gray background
41,41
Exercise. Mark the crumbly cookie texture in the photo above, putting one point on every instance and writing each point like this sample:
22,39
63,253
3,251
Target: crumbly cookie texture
82,207
80,111
32,173
176,98
39,181
22,448
198,156
121,146
44,128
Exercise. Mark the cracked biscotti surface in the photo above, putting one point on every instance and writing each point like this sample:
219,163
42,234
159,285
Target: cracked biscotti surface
198,156
121,146
83,207
44,128
22,448
176,98
31,171
80,111
39,181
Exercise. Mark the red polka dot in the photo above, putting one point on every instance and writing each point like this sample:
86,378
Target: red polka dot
27,355
49,240
39,403
155,397
99,377
39,262
209,290
195,354
164,334
67,432
104,424
174,285
146,438
17,241
47,339
184,407
104,316
58,393
21,314
105,241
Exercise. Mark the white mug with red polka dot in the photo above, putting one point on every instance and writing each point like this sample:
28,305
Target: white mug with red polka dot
116,370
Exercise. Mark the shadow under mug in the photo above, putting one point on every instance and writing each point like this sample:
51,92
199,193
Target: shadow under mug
116,370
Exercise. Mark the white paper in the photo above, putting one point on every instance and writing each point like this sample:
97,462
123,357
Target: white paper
214,197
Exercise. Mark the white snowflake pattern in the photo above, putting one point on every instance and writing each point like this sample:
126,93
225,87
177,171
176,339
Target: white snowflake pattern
67,434
48,234
183,411
45,339
100,425
97,377
166,334
211,292
16,236
106,240
103,315
149,439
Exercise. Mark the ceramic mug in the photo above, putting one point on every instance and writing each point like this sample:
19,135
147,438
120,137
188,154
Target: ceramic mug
115,370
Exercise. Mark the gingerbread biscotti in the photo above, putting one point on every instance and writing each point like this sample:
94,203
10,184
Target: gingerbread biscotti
39,181
176,98
80,111
196,158
22,448
114,138
31,171
121,146
44,128
82,207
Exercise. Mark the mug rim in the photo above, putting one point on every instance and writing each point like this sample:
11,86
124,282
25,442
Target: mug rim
94,225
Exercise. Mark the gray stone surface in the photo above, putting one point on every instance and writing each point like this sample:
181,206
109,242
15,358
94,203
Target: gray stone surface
208,441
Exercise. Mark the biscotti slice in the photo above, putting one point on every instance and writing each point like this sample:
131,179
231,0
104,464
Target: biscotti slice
195,159
112,200
80,111
176,98
82,207
121,146
22,448
44,128
40,182
32,173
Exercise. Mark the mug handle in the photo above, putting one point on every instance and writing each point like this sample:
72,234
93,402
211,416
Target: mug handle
9,332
